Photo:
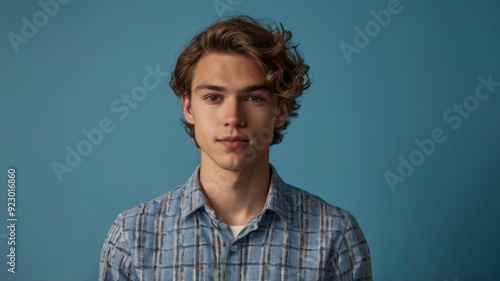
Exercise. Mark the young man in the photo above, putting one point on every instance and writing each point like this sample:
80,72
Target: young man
235,218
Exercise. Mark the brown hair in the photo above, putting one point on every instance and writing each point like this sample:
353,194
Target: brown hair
270,46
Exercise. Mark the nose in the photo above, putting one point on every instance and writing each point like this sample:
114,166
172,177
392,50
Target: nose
233,114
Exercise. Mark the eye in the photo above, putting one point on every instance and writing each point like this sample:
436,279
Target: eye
211,98
255,99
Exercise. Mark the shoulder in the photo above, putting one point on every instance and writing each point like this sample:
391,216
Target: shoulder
307,206
167,204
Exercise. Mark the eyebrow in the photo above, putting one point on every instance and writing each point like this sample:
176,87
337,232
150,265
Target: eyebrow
251,88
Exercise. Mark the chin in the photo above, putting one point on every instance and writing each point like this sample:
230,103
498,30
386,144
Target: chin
235,160
233,165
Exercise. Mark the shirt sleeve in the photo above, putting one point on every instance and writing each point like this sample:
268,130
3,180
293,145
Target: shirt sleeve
116,261
353,255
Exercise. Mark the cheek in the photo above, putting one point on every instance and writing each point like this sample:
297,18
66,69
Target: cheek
204,121
271,120
199,112
264,127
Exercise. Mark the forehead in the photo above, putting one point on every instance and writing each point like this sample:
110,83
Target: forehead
228,70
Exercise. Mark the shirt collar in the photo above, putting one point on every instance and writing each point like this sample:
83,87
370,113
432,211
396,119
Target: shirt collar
277,201
192,197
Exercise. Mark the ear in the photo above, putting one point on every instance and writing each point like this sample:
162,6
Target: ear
186,108
282,115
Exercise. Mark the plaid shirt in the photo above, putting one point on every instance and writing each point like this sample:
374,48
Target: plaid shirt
177,236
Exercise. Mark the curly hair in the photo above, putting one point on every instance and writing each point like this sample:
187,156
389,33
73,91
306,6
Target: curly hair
286,74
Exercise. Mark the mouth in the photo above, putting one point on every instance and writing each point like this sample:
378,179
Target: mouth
234,142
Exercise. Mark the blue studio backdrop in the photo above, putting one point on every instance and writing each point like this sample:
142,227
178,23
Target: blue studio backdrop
400,126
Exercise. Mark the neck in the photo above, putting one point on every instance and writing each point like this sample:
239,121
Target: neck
235,195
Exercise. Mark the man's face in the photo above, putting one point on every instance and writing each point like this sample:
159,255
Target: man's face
233,114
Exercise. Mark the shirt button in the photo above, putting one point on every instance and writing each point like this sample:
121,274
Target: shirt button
234,248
